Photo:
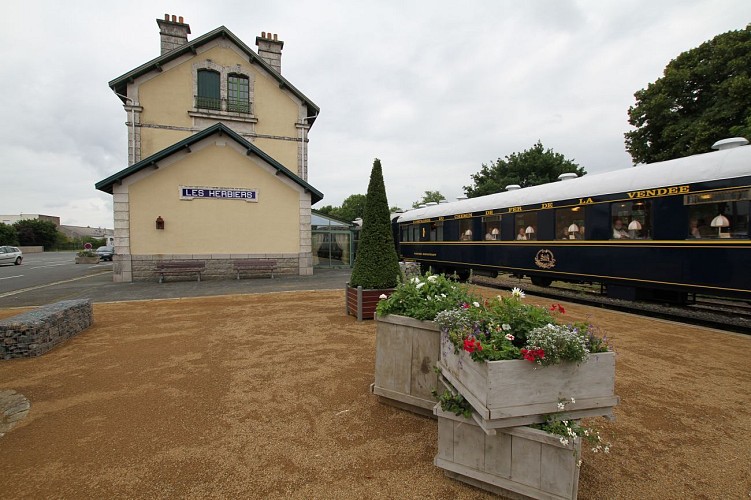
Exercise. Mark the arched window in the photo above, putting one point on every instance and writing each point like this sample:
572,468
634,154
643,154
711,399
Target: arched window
238,93
208,96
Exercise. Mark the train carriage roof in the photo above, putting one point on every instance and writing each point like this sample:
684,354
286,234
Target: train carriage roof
717,165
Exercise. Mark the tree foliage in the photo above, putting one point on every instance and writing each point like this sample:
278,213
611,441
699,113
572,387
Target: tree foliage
532,166
353,207
35,232
8,235
429,196
703,96
376,263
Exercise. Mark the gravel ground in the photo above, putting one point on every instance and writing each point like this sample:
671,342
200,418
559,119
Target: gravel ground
266,396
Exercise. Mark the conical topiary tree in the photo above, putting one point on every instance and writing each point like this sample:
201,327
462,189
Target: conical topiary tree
376,262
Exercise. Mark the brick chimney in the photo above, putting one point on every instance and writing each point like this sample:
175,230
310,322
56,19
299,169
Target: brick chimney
270,50
172,33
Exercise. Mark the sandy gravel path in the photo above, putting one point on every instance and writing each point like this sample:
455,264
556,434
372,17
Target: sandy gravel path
266,396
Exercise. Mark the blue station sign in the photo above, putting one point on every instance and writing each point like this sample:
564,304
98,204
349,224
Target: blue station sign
221,193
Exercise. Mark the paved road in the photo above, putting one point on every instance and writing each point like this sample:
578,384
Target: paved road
51,277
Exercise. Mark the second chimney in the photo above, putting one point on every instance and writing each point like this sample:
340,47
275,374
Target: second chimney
270,50
173,33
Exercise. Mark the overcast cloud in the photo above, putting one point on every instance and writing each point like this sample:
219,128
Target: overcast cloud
432,88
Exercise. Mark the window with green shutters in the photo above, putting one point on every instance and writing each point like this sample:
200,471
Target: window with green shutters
208,90
238,94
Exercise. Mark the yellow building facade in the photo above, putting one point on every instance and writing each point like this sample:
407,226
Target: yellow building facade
217,150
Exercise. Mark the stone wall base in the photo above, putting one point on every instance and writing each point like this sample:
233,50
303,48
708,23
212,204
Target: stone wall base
218,267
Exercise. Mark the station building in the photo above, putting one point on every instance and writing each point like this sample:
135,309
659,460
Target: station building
217,155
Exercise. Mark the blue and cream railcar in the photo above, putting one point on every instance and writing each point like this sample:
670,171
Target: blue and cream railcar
661,230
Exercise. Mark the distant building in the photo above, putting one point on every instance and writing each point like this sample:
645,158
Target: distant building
78,232
12,219
218,158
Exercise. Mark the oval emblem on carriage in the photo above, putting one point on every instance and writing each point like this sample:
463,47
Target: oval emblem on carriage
545,259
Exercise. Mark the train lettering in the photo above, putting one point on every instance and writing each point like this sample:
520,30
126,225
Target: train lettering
584,201
547,205
515,209
648,193
488,212
463,216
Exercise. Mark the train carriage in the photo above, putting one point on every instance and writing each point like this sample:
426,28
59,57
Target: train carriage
662,230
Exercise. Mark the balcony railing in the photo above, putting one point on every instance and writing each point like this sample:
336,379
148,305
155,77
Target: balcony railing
218,104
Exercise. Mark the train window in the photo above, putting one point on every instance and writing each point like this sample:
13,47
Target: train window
569,223
465,230
632,220
719,214
405,232
526,226
415,230
436,231
491,226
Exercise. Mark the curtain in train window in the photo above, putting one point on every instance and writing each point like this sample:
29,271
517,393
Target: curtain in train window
436,231
526,226
569,223
405,233
718,214
491,226
631,220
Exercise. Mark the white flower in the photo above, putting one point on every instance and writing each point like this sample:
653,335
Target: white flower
420,285
443,295
561,406
586,432
509,337
565,422
432,277
606,449
564,441
476,304
506,326
579,463
517,292
430,298
382,296
594,450
573,400
415,280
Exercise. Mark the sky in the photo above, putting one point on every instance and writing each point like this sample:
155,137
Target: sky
432,88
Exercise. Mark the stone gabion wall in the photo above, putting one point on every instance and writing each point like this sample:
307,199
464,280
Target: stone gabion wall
35,332
217,267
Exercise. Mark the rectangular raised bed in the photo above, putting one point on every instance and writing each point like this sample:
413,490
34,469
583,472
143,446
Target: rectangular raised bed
518,392
521,460
407,351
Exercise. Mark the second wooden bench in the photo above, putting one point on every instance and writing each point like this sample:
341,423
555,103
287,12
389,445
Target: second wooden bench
180,267
268,265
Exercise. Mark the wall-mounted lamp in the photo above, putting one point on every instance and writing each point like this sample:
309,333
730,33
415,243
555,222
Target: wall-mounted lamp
634,225
530,232
159,222
573,229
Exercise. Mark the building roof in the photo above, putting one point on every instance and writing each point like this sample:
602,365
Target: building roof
219,128
119,84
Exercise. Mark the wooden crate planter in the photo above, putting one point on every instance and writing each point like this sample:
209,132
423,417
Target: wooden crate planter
517,392
361,302
520,460
407,351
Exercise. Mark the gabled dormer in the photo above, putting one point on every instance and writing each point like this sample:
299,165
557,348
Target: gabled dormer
215,78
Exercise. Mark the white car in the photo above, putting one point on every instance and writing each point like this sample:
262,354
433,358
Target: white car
11,255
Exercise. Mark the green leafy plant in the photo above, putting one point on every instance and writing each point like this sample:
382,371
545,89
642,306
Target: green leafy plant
423,297
87,253
376,263
454,403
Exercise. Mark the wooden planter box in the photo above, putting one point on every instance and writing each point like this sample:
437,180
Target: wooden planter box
361,302
520,460
517,392
407,351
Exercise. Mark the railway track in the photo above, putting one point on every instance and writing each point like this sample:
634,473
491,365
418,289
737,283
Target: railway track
711,312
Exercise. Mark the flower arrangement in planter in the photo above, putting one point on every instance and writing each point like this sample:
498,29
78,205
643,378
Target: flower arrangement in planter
376,269
513,362
87,257
408,342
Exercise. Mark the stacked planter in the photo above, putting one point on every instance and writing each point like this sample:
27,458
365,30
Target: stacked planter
493,450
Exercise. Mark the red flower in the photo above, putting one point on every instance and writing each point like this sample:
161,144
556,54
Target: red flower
558,307
471,345
465,305
533,355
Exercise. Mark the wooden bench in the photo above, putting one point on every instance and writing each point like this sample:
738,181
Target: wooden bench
175,267
268,265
